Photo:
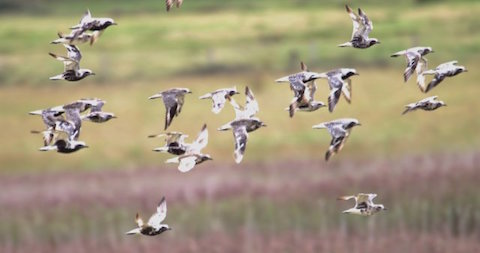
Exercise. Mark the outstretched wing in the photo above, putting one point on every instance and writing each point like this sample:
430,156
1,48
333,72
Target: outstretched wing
251,105
218,102
160,215
187,163
358,28
201,141
171,108
336,85
412,62
139,221
310,90
363,200
366,23
438,78
240,134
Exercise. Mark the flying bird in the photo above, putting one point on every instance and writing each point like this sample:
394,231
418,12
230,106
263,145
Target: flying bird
306,101
96,114
193,155
219,97
339,83
65,146
340,131
154,225
169,3
364,205
415,60
89,23
173,100
244,123
448,69
298,80
72,40
49,117
427,104
72,123
362,26
174,143
72,70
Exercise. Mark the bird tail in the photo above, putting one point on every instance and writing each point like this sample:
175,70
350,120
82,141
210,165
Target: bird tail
345,197
319,126
57,77
408,109
48,148
346,44
134,231
161,149
205,96
173,160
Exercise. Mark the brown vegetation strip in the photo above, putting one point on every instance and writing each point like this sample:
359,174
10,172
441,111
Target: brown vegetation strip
433,176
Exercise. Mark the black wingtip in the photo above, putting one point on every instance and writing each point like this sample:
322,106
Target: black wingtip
328,154
291,110
161,200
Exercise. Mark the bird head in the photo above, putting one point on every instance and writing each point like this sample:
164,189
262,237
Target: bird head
373,41
86,72
346,73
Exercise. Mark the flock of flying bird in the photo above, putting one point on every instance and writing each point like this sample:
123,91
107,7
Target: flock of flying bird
63,123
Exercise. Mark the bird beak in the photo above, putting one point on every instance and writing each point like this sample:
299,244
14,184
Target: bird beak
359,124
385,209
356,74
92,74
155,96
432,51
86,146
264,125
378,42
114,117
466,70
114,23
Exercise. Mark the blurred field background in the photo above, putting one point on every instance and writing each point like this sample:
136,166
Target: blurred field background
424,166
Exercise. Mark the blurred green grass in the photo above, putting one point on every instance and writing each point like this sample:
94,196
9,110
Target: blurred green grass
205,49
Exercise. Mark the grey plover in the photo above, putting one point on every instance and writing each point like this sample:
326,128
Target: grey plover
362,26
72,70
219,97
448,69
305,102
339,130
193,155
339,83
72,40
415,60
298,80
65,146
244,123
72,123
154,225
96,114
89,23
364,205
427,104
169,3
173,100
174,143
49,117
